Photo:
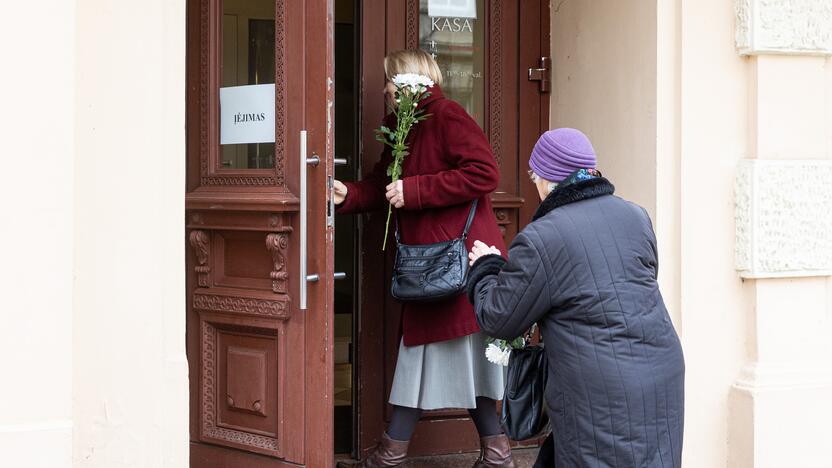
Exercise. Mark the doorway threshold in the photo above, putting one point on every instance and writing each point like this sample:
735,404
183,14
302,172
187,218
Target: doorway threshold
523,458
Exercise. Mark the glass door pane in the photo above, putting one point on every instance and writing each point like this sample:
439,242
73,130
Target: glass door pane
453,31
248,59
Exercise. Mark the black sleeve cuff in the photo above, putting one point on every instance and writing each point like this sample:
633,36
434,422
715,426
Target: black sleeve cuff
486,265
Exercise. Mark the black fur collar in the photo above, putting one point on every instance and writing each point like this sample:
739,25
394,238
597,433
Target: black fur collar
564,195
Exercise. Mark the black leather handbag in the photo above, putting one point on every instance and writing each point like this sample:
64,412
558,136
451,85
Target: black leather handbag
524,413
431,272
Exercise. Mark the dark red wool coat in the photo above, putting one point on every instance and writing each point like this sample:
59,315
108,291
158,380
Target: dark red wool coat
450,164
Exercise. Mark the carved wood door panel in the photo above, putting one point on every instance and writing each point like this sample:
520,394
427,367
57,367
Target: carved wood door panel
489,51
259,333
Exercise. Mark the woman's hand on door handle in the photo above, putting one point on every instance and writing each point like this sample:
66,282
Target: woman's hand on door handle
339,191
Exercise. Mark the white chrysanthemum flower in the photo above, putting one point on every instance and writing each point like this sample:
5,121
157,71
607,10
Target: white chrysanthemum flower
497,355
414,81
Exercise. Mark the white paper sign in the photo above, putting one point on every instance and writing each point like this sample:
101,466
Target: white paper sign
247,114
452,8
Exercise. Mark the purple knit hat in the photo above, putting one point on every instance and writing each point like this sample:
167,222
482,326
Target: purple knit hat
560,152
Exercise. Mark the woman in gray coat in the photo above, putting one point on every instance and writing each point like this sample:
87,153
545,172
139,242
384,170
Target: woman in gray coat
585,270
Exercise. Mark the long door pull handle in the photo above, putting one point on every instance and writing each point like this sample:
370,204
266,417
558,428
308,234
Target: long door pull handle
304,277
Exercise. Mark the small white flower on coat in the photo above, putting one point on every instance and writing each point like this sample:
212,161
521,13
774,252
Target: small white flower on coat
497,355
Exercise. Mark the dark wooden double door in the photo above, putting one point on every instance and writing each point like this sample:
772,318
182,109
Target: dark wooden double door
261,365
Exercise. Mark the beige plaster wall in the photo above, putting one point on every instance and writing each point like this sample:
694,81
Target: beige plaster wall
615,75
36,233
757,363
604,84
780,400
667,219
716,306
661,91
828,95
792,111
130,388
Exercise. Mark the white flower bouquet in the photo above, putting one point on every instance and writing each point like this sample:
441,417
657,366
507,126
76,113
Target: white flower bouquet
411,88
499,351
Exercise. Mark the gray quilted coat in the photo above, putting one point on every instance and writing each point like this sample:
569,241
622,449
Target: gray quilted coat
585,270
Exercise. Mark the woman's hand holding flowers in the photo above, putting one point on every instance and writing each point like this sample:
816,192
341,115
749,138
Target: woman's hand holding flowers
395,193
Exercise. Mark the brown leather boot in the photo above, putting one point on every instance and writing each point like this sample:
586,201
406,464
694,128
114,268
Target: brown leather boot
387,453
495,452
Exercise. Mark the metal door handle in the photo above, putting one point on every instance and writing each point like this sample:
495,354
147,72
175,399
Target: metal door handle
338,275
304,278
340,161
330,209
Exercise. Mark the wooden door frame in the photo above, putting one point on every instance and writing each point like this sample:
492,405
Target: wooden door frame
266,203
391,25
319,327
320,75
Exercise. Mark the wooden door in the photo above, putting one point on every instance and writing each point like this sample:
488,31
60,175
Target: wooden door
508,96
260,362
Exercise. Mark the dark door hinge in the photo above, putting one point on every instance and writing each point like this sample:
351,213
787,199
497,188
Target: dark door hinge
542,74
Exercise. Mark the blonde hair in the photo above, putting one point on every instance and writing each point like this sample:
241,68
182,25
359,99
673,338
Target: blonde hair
412,61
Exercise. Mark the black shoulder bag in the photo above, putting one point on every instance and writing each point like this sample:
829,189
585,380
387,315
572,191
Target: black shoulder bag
431,272
524,413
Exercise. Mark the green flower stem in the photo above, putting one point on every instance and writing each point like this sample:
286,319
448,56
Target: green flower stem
407,115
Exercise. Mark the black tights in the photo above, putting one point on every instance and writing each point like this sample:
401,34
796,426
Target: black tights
403,422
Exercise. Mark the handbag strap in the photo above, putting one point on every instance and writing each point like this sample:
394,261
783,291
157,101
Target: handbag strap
468,222
470,219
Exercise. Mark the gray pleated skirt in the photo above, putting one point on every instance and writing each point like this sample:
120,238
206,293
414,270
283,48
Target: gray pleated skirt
447,374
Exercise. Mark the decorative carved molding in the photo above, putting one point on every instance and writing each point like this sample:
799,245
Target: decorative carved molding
495,43
280,91
277,245
505,200
273,308
782,224
201,243
503,220
210,430
204,85
412,27
209,102
238,180
789,375
742,26
505,210
783,27
246,376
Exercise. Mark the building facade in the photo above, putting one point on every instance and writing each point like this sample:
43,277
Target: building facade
164,310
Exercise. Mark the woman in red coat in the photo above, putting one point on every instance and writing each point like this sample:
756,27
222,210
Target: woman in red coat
441,361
